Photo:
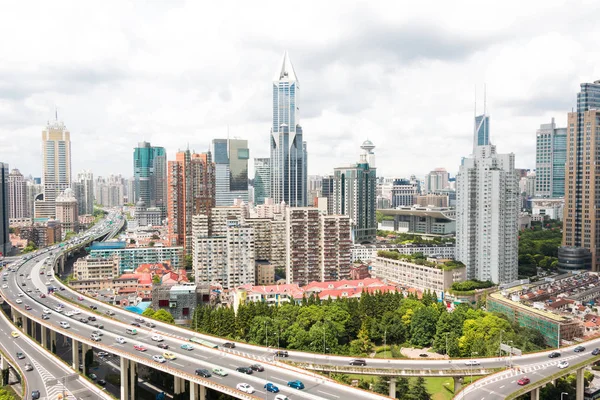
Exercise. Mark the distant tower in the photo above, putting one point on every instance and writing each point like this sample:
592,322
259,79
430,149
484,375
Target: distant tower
17,193
150,175
5,245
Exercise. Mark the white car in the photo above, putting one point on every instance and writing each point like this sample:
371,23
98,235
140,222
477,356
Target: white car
120,339
69,313
281,397
563,364
76,312
46,311
19,301
58,309
47,283
5,286
159,359
20,295
157,338
64,324
244,387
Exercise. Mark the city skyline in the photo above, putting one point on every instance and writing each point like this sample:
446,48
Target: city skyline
111,105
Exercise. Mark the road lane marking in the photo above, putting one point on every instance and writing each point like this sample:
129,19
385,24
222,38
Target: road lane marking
279,379
233,365
502,386
328,394
181,365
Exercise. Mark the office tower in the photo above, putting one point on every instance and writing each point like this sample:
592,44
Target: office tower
404,192
33,190
231,170
83,187
318,246
436,180
327,185
190,191
56,167
67,211
110,192
354,195
581,219
482,130
487,209
262,180
5,245
550,159
150,175
288,150
17,195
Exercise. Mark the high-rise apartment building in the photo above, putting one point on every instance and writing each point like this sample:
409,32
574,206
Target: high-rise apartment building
487,209
318,246
17,195
582,179
83,187
327,185
56,167
231,170
288,149
550,159
5,245
436,180
67,211
150,175
262,180
354,195
110,192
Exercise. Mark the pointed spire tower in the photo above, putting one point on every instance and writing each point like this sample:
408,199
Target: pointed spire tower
288,150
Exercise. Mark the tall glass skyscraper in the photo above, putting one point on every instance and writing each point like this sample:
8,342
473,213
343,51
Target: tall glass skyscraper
550,159
288,150
150,175
482,130
262,180
231,170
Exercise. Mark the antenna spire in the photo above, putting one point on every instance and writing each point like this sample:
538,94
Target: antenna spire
56,113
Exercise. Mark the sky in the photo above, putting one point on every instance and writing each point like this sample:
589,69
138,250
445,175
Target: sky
405,75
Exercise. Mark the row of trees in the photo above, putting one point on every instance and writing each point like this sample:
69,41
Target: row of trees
356,326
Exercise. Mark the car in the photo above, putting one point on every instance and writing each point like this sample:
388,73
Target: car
84,320
244,387
28,290
296,384
23,284
95,338
47,283
269,387
21,275
41,272
93,307
523,381
579,349
244,370
563,364
140,320
28,367
19,301
27,307
5,286
162,346
91,318
135,324
219,371
596,351
64,324
120,339
188,347
20,295
281,397
69,313
159,358
103,354
99,333
93,376
472,363
169,356
58,309
423,355
110,312
203,373
99,326
29,278
151,325
76,312
554,354
281,353
139,347
14,334
45,316
46,311
80,298
361,363
101,382
35,394
20,355
157,338
228,345
42,296
257,367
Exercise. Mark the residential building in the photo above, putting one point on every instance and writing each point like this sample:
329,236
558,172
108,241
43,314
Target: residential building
550,159
17,195
265,272
5,246
110,192
180,300
262,180
34,190
43,234
335,246
360,271
581,225
368,252
404,193
130,258
89,268
231,170
150,175
56,167
487,211
84,192
67,211
432,200
436,180
327,188
288,149
354,195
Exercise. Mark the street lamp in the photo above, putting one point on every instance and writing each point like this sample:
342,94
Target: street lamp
510,354
563,393
266,335
446,334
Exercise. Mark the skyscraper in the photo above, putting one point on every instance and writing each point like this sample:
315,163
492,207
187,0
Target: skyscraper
581,216
482,130
83,188
436,180
262,180
550,159
17,195
5,245
56,167
288,150
150,175
355,192
487,196
231,170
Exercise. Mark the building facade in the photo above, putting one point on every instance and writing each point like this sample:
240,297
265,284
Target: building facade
89,268
404,193
368,252
231,170
84,192
550,159
150,175
436,180
17,195
288,148
5,246
262,180
131,258
67,211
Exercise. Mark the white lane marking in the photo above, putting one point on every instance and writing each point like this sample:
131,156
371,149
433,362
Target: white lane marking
502,386
512,381
173,362
233,365
328,394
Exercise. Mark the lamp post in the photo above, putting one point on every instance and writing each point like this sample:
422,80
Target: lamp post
563,393
384,344
510,354
266,335
446,335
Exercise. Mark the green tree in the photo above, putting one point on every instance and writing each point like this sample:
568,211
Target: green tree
164,316
155,278
423,326
418,391
188,261
149,312
362,345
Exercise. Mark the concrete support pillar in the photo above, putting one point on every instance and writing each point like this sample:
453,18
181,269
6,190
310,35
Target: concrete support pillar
15,315
43,337
580,384
26,325
124,374
179,385
84,350
202,392
52,340
75,356
535,394
393,387
457,383
3,363
132,378
193,391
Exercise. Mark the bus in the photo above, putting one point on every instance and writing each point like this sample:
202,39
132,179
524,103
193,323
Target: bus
203,342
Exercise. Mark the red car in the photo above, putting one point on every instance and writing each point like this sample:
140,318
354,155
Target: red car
27,307
523,381
43,296
139,347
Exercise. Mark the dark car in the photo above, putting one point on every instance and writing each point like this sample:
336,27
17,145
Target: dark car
281,353
596,351
99,326
93,307
203,373
257,367
228,345
296,384
45,316
135,324
84,320
554,354
151,325
163,346
101,382
140,320
35,394
244,370
579,349
91,318
423,355
20,355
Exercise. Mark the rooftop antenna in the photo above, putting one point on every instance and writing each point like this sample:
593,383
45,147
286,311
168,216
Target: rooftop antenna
56,113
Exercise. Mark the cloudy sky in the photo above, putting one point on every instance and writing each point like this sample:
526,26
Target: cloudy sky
400,73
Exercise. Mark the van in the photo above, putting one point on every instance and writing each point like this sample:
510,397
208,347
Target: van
131,331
